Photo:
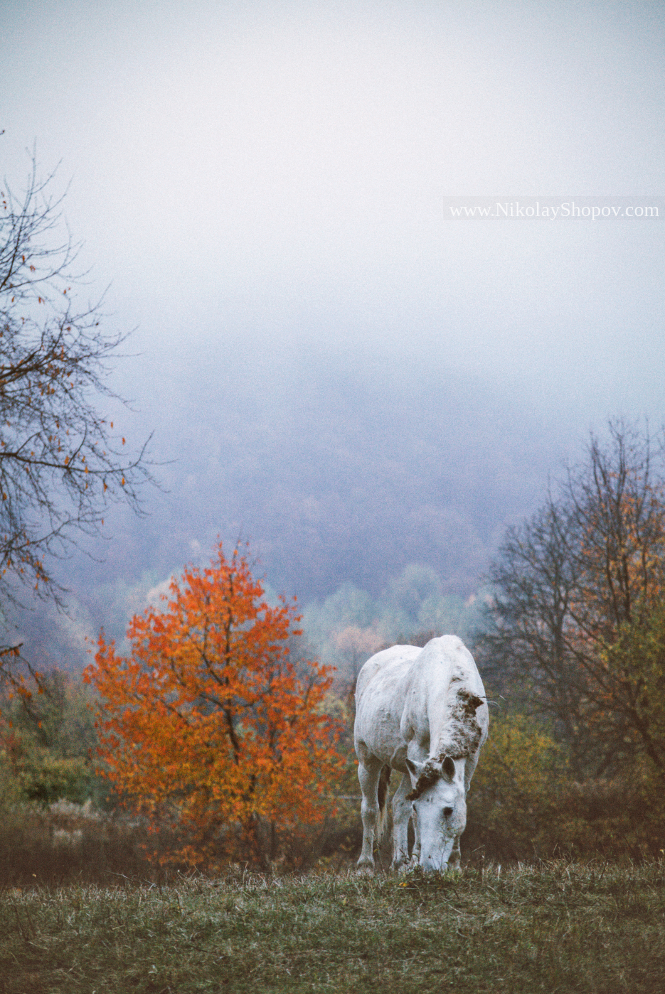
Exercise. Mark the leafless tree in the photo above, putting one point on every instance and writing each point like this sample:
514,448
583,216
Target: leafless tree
61,460
584,577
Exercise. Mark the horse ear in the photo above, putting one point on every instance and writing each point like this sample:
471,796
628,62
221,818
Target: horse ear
448,768
415,769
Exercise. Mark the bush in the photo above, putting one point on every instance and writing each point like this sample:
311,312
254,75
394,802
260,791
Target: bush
523,802
46,736
67,842
44,778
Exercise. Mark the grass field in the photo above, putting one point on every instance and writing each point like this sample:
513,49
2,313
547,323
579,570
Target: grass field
559,927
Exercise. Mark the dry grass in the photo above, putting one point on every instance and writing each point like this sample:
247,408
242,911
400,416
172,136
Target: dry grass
68,843
558,928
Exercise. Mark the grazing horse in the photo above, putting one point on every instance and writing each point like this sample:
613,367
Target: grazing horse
422,712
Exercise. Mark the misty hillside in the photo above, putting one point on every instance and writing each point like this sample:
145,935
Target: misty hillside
338,476
334,368
335,478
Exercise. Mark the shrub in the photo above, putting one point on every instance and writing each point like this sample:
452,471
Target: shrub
524,803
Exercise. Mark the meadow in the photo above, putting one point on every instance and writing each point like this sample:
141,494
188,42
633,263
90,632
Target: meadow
557,927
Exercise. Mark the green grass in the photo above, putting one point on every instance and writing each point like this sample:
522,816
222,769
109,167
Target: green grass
559,927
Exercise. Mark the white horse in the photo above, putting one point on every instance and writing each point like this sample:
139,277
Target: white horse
424,713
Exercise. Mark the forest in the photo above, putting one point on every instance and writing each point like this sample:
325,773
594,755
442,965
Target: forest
219,740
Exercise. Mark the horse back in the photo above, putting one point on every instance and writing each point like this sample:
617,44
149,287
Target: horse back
432,695
380,698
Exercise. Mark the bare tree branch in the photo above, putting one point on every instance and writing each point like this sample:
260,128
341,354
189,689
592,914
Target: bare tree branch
62,462
576,588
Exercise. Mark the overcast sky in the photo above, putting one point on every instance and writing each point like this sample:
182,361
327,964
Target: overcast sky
263,185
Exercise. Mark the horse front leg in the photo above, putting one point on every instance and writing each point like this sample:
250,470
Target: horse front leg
402,812
455,856
369,810
415,855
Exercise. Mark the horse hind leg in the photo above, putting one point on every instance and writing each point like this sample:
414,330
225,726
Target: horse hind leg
382,796
370,810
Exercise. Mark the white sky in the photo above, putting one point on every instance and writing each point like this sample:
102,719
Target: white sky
268,179
281,165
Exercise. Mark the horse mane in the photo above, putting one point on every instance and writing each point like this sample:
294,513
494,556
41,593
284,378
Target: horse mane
429,775
461,737
462,732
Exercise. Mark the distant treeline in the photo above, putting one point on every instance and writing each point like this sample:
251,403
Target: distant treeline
569,637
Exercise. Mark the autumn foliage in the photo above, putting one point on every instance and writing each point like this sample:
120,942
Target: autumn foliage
209,727
577,623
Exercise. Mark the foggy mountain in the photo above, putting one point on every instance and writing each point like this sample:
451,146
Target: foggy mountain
339,480
335,475
335,370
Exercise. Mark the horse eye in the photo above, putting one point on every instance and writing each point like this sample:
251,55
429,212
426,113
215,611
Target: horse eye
447,812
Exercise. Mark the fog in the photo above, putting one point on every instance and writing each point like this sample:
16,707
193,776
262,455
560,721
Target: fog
331,370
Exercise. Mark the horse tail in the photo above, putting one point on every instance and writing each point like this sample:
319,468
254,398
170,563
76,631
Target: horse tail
384,780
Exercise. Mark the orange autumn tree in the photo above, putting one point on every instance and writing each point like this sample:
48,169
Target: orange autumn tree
209,727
